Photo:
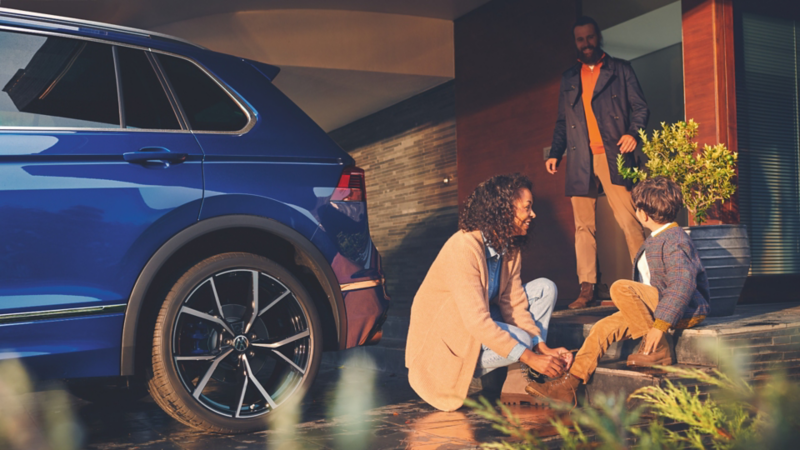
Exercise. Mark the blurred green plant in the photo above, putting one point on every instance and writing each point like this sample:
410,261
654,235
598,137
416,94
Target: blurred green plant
35,417
736,415
506,422
705,177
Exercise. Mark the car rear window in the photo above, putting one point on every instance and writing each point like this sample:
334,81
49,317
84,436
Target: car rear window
146,102
207,106
56,82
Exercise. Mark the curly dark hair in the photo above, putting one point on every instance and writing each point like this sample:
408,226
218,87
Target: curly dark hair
490,209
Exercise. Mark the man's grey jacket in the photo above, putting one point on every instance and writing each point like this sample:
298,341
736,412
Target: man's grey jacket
619,106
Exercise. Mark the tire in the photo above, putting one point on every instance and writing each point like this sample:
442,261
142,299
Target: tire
217,368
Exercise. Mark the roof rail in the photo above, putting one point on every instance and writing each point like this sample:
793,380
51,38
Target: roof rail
59,20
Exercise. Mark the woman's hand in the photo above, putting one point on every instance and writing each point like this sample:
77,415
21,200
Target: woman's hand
561,353
565,356
552,366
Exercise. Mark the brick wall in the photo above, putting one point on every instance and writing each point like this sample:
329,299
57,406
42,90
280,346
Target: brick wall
407,150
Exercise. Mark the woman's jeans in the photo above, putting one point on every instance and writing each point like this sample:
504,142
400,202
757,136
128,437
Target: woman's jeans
542,295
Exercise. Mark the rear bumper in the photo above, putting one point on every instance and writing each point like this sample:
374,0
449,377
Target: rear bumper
366,304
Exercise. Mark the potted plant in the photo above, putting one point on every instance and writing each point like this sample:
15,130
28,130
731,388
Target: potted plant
705,178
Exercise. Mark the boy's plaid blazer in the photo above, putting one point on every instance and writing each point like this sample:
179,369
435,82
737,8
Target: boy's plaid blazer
676,271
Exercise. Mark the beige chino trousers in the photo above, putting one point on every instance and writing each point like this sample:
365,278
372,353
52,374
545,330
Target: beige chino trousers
636,303
583,208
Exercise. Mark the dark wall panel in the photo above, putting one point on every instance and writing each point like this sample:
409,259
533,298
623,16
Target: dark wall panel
509,58
407,151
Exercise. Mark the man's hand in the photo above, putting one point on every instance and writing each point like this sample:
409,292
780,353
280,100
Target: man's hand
651,340
626,143
552,366
550,164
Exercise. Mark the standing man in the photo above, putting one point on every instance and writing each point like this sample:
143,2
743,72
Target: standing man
601,108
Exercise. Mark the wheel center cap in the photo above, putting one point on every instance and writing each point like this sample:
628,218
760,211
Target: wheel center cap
240,343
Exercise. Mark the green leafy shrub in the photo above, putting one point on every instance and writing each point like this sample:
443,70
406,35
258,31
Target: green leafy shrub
736,415
705,177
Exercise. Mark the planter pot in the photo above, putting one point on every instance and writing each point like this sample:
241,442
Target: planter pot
725,253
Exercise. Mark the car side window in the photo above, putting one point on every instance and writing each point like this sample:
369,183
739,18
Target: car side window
145,102
50,81
207,106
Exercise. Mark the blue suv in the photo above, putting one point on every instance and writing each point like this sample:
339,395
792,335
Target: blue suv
168,215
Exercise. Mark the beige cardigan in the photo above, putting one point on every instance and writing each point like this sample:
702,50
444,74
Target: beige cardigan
450,320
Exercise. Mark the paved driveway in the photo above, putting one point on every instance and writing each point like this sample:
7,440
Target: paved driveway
347,409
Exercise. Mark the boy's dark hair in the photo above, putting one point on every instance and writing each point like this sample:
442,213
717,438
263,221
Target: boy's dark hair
490,209
659,198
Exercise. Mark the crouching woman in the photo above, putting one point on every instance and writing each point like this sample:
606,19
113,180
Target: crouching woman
472,314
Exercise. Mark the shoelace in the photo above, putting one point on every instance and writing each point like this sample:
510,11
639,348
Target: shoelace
641,347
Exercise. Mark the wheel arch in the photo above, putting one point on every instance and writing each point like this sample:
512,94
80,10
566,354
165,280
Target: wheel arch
253,234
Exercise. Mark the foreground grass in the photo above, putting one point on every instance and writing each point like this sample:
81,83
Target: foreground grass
737,414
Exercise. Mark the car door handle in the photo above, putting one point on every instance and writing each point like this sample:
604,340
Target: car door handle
154,154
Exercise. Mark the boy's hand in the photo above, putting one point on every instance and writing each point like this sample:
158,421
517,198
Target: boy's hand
651,340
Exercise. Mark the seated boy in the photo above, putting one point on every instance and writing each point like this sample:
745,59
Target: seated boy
670,291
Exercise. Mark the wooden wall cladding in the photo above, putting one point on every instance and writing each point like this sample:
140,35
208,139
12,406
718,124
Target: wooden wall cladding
709,79
509,58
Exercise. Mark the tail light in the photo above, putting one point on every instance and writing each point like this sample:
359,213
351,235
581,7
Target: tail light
351,186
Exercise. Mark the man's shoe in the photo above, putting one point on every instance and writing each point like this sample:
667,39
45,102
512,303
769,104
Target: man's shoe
560,390
601,292
661,356
586,297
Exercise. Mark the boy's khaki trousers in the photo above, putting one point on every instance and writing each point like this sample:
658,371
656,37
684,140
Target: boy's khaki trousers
636,303
583,209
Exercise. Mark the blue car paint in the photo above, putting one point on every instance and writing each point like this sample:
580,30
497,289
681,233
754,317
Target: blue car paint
65,348
78,223
72,211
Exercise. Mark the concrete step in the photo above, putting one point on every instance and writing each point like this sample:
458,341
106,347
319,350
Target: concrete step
614,378
760,337
761,334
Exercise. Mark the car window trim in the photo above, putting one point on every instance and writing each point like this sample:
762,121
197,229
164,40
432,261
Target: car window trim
174,102
249,112
250,119
117,75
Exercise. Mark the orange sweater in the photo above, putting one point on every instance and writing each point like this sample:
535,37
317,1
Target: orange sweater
588,82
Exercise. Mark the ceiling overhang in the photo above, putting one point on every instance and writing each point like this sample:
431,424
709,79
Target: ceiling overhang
341,60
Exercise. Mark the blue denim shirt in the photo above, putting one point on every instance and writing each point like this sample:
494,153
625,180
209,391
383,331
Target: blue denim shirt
494,262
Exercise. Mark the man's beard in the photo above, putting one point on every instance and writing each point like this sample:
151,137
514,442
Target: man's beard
593,58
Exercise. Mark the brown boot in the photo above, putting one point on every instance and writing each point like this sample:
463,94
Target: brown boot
601,292
661,356
560,390
586,297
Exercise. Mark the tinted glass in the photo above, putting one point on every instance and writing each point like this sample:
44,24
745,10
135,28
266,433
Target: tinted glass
146,103
206,104
56,82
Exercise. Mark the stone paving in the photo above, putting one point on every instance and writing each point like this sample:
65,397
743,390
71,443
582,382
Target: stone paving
353,406
348,408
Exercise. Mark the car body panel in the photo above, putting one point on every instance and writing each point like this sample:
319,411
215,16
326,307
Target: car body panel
76,347
73,214
84,230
